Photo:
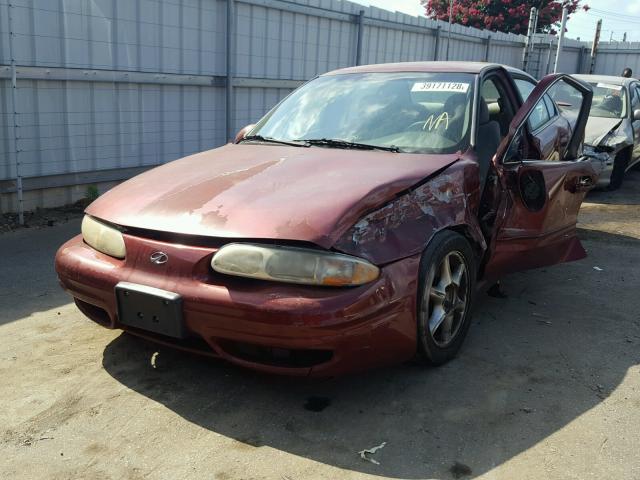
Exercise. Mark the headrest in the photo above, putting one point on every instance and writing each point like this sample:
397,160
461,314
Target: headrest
612,103
484,112
455,105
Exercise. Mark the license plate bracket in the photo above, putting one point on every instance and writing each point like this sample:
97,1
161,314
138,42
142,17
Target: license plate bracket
150,309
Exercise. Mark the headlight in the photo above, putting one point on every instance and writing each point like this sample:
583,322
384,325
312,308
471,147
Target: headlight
293,265
102,237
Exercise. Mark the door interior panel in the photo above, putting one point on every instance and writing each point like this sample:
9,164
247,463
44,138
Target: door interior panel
543,200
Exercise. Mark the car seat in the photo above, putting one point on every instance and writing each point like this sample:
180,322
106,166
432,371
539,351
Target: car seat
455,107
613,104
489,139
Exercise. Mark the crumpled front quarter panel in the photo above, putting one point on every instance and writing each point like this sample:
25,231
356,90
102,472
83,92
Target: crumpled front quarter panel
405,225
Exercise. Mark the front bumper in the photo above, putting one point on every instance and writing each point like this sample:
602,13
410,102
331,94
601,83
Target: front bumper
278,328
602,163
604,179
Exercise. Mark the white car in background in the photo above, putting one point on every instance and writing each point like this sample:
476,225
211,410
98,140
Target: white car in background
613,127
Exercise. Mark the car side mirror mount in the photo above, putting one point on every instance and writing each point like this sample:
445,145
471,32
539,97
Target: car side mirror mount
636,114
243,133
514,152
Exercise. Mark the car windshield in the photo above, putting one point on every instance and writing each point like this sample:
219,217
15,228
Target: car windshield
609,101
410,112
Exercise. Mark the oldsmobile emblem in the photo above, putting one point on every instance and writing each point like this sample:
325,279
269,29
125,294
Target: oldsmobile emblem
159,258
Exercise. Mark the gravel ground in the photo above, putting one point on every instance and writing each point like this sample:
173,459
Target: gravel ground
546,386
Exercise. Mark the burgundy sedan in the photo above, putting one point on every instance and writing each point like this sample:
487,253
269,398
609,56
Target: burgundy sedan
349,228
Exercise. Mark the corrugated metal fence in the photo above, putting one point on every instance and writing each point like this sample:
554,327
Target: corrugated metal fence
107,88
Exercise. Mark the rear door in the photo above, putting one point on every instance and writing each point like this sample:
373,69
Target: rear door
634,94
540,194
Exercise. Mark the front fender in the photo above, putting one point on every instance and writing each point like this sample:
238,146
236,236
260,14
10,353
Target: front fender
406,224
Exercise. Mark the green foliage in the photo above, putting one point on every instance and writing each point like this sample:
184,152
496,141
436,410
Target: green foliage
511,16
92,193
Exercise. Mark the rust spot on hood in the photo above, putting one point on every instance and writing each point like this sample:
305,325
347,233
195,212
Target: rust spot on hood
254,191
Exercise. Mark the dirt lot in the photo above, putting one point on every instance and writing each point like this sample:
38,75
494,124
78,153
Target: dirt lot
547,385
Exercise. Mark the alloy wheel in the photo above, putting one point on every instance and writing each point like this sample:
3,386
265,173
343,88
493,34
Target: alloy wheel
446,298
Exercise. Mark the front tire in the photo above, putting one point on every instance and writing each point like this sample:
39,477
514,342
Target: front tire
446,290
619,167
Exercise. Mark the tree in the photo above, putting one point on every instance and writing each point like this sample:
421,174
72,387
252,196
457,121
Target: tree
511,16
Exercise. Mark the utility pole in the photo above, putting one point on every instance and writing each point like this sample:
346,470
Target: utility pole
565,11
14,116
360,24
449,33
546,70
594,47
533,16
230,67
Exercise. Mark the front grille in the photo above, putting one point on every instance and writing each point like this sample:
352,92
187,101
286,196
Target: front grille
277,357
193,344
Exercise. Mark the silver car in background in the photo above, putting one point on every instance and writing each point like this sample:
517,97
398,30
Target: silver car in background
613,128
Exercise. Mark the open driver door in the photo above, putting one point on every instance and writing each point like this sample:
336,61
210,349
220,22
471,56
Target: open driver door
539,199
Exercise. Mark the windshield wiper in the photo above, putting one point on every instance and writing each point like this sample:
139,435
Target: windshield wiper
260,138
335,143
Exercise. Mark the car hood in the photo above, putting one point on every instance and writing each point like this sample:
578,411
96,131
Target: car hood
597,128
258,191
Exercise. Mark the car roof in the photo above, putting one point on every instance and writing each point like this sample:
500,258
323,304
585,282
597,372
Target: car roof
612,79
517,71
448,67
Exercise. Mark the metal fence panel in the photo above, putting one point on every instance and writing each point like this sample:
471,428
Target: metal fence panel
253,103
274,43
4,33
80,126
170,36
7,149
612,58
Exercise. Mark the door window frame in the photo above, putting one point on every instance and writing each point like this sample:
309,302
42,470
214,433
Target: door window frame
524,121
503,77
634,89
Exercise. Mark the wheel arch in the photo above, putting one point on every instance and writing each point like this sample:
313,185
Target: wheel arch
627,151
467,232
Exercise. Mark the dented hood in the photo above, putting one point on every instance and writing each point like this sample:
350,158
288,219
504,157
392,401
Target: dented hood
597,128
265,191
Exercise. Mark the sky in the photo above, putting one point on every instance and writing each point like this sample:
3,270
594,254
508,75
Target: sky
617,17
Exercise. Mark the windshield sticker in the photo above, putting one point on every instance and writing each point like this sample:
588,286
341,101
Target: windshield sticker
459,87
609,86
434,122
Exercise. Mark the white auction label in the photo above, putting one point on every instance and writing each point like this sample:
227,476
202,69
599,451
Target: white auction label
459,87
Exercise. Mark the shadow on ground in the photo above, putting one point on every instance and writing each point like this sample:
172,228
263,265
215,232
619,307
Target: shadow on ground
627,195
533,362
29,282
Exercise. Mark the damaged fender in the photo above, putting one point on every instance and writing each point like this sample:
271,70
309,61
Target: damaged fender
404,226
604,141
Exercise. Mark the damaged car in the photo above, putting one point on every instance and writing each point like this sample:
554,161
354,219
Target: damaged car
613,128
350,228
